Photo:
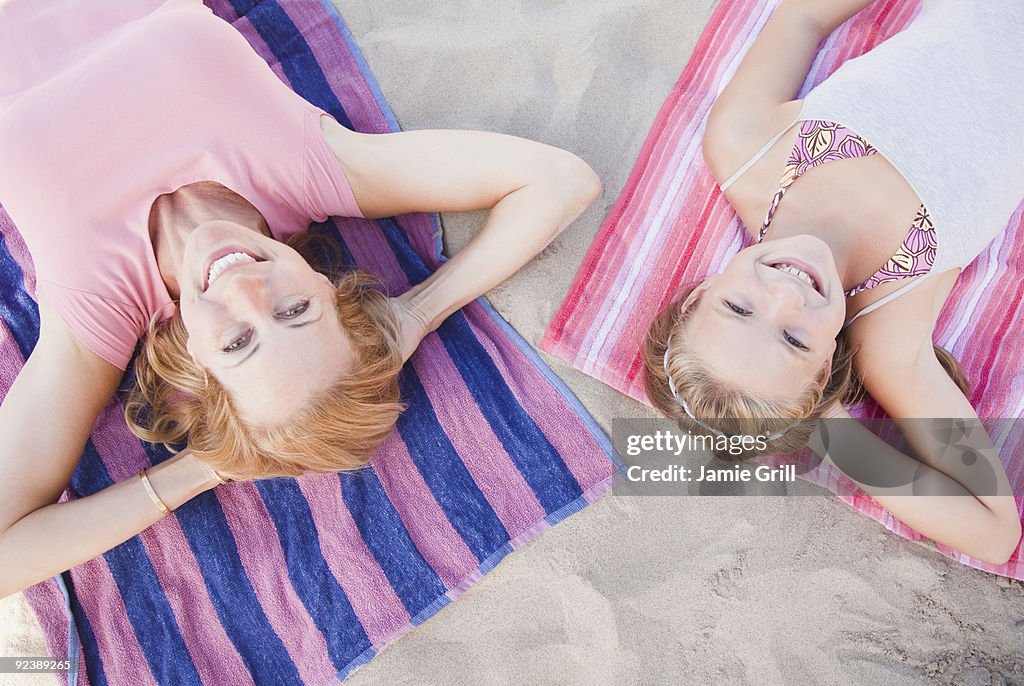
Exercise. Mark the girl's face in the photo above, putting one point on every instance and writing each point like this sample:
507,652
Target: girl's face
264,325
768,322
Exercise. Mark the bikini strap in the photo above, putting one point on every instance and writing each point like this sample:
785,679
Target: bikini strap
914,283
759,154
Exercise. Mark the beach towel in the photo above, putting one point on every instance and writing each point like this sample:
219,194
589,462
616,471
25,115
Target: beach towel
672,225
300,581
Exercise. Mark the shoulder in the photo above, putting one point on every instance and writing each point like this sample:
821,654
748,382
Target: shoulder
893,339
105,327
734,134
61,351
733,138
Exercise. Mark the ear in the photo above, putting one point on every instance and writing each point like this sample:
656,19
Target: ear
697,292
192,352
831,356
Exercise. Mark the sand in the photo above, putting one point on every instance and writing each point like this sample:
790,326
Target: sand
656,590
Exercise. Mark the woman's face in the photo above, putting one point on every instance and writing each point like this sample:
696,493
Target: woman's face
264,325
768,322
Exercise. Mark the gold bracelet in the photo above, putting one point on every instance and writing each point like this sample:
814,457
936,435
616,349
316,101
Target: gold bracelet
152,494
216,476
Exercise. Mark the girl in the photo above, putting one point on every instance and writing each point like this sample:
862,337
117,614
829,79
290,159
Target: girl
868,197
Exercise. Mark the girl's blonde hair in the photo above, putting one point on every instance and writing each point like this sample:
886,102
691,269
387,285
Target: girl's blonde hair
174,402
738,412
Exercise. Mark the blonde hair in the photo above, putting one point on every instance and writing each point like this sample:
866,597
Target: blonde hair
738,412
173,401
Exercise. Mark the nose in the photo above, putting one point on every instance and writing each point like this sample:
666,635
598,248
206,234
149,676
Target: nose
784,296
249,289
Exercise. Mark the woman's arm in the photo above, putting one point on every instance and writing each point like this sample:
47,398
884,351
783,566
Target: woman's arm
45,421
533,191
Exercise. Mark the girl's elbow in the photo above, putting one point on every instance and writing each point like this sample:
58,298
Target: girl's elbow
1001,542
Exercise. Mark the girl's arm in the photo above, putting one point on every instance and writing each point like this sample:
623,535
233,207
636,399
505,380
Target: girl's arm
45,421
899,369
969,517
753,105
533,191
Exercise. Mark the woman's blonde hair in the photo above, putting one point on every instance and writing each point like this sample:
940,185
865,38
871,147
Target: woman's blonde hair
737,412
173,401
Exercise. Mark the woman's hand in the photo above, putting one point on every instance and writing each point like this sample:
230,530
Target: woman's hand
413,324
198,472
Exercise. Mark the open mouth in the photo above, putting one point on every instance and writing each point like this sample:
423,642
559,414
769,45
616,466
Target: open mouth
225,261
801,272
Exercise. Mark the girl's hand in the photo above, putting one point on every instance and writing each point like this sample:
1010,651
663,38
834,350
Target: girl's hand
413,324
836,411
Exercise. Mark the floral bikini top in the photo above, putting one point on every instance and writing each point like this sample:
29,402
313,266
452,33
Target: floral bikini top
824,141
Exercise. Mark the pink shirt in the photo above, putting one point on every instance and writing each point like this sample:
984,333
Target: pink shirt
130,107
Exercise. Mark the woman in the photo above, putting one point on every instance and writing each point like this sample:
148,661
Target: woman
892,161
160,174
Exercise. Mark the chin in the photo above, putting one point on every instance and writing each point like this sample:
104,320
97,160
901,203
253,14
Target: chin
217,230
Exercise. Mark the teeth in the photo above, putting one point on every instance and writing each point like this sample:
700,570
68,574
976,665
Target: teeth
796,271
221,264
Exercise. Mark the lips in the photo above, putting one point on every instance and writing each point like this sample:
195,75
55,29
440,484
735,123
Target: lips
223,260
794,268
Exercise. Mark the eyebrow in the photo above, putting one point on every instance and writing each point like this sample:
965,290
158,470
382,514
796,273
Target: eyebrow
256,347
252,351
729,314
299,325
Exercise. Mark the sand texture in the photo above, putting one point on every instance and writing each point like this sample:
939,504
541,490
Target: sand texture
656,590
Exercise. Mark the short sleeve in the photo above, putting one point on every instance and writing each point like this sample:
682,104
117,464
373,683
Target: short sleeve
328,191
106,327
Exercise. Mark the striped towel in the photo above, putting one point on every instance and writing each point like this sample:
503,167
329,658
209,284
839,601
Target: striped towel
672,225
300,581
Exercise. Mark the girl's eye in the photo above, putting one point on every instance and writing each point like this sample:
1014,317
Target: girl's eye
238,343
737,309
794,342
295,310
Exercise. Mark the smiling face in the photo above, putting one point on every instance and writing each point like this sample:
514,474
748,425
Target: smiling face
767,324
265,325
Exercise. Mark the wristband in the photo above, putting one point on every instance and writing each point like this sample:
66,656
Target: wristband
152,494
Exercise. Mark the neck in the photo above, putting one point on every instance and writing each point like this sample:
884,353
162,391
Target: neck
834,232
174,216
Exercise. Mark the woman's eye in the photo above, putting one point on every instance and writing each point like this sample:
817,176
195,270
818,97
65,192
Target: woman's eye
737,309
295,310
794,342
238,343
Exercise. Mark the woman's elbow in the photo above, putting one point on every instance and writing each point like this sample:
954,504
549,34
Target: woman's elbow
588,184
8,585
7,590
577,184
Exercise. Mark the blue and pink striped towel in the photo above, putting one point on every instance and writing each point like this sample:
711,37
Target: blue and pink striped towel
300,581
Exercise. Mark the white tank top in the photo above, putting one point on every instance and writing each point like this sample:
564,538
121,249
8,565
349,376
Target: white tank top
943,101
